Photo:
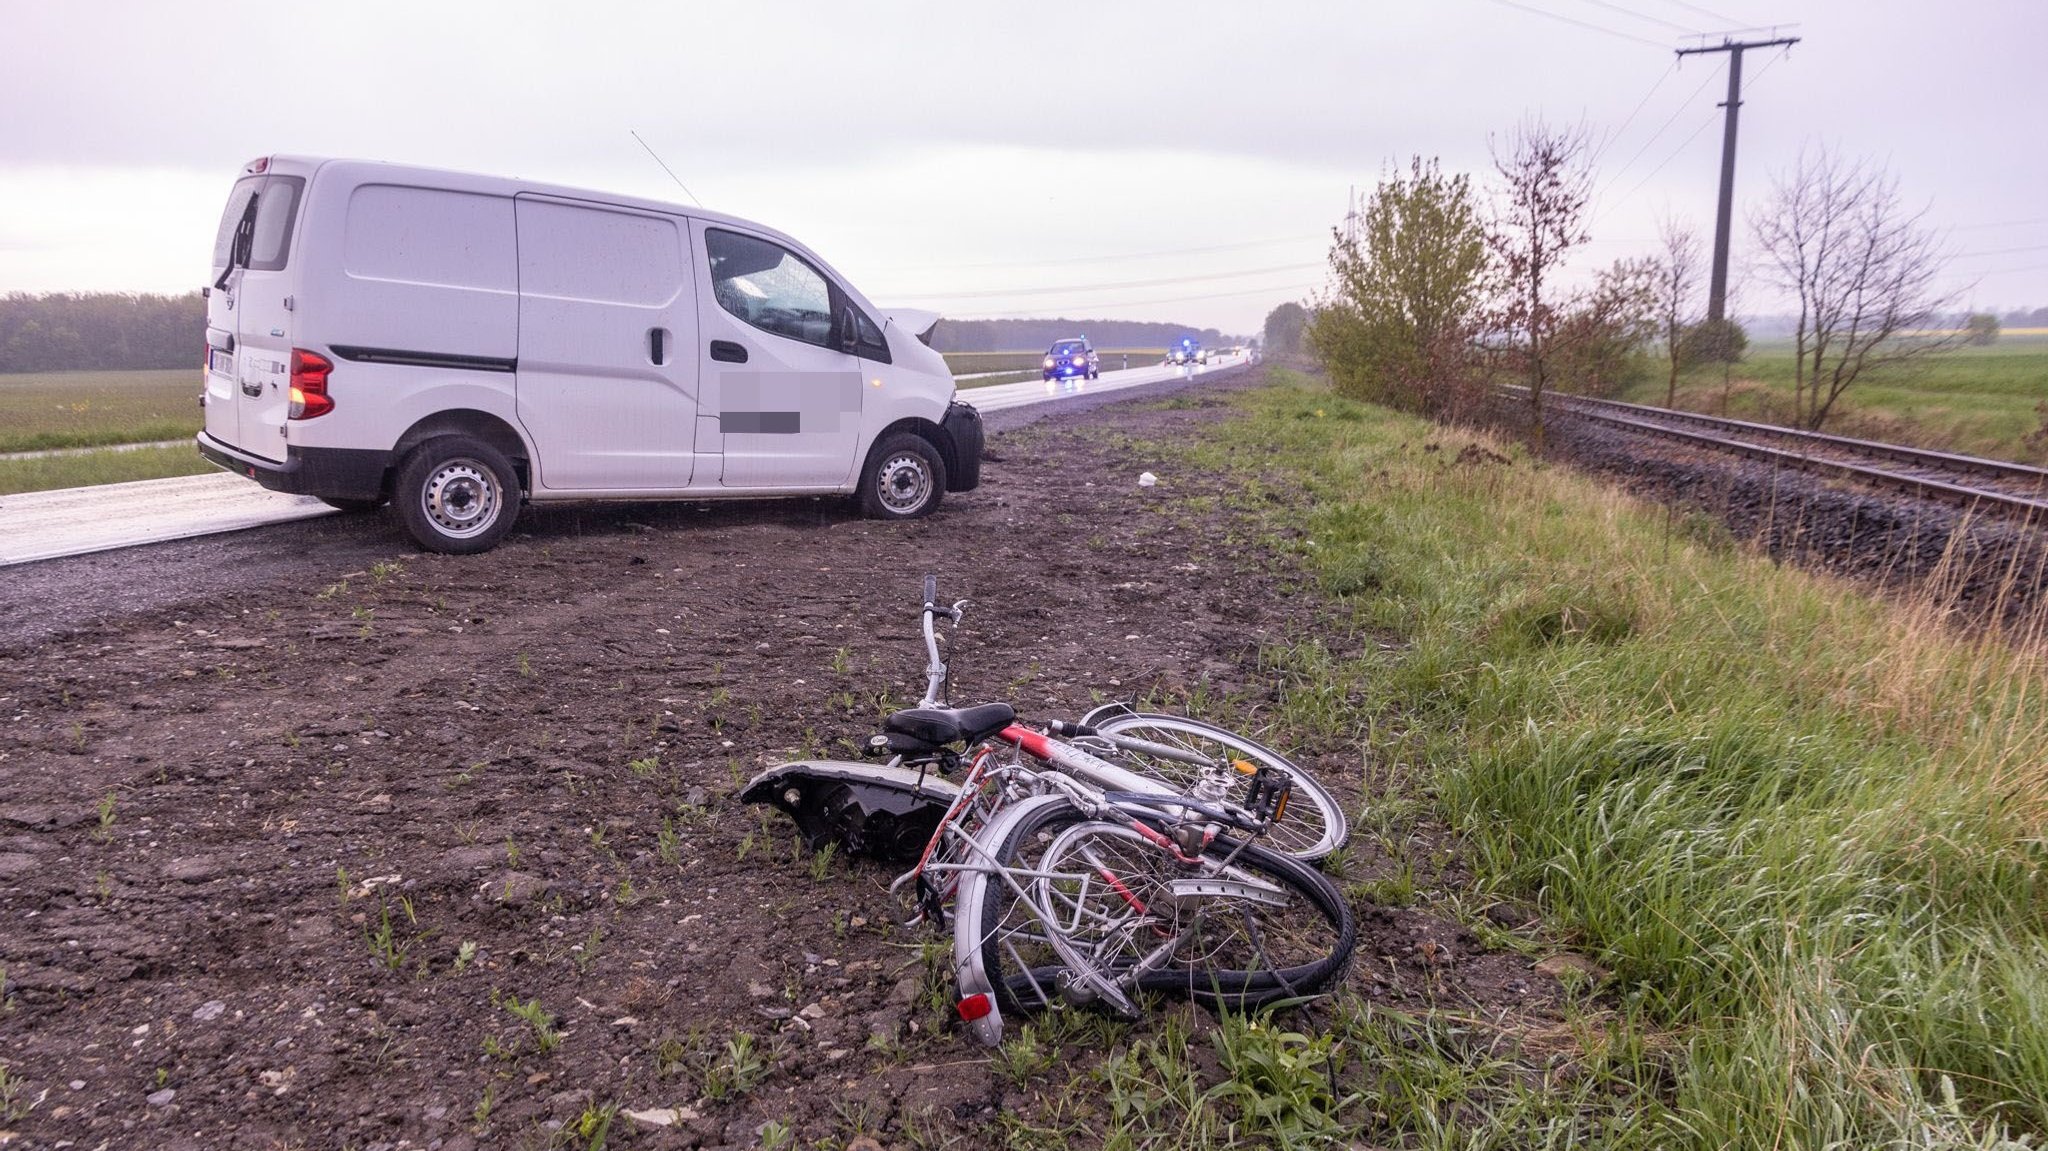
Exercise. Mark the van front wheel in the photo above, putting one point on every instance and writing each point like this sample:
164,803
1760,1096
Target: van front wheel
457,495
904,478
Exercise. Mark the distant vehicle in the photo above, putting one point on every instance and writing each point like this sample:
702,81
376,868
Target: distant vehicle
1187,351
457,345
1069,359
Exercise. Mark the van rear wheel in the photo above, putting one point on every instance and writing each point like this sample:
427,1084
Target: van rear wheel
457,495
903,479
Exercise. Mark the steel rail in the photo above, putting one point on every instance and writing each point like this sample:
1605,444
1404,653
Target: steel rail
1642,418
2004,469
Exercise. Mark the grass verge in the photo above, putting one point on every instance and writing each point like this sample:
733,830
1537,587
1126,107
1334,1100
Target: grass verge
44,410
1800,828
103,467
1980,401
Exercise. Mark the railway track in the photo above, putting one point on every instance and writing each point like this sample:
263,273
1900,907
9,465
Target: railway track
1974,482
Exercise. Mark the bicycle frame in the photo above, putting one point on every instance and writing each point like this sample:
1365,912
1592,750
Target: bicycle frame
841,799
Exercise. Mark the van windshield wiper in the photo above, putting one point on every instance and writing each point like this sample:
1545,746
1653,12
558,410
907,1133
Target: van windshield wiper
239,248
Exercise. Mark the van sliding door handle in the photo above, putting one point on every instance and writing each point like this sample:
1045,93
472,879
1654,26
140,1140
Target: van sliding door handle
654,345
727,352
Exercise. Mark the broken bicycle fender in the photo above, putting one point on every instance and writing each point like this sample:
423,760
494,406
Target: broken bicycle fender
867,809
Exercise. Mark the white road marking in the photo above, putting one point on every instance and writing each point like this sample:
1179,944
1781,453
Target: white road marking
78,521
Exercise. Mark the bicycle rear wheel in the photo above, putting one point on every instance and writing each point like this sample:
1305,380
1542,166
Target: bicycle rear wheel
1314,825
1264,927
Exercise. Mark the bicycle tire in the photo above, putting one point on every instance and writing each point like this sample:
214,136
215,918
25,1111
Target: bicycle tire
1315,825
1240,953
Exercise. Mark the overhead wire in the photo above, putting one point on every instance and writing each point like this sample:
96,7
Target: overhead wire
1205,250
1704,125
1149,303
1654,136
1005,293
1576,22
1612,7
2000,224
1667,74
2002,251
1697,10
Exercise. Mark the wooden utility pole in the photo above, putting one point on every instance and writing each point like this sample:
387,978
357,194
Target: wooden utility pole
1717,288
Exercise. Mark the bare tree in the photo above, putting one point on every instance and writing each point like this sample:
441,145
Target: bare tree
1862,268
1678,287
1546,182
1598,342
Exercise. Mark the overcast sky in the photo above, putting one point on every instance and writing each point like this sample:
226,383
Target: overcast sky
1176,160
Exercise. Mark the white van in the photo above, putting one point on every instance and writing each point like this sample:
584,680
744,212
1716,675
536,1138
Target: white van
456,344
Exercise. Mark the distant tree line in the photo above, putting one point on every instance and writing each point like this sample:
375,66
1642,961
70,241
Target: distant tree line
100,331
1031,335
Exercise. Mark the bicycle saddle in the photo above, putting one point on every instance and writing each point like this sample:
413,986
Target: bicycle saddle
934,727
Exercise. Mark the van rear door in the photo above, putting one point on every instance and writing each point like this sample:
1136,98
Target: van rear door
248,316
223,407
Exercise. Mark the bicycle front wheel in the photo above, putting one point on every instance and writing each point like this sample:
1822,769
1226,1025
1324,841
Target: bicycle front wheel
1314,825
1096,913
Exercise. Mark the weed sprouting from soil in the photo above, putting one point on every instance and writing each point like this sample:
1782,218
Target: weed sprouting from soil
718,1070
105,831
539,1021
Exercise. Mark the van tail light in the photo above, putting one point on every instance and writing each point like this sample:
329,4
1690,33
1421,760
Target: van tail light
309,385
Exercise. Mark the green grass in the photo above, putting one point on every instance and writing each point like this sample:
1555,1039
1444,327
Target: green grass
1801,827
41,410
101,467
1980,401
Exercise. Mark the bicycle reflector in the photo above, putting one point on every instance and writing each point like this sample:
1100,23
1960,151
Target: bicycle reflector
1245,766
976,1006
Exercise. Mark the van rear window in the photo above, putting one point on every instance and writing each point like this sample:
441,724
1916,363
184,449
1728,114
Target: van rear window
277,207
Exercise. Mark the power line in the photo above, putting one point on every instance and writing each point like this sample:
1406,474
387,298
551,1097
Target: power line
2002,251
1667,74
1577,23
1703,12
2000,224
1704,125
1754,77
1151,303
1110,259
1005,293
1611,7
1661,129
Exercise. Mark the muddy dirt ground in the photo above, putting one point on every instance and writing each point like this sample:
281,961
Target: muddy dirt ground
287,834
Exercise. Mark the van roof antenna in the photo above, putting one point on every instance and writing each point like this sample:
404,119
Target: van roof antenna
664,167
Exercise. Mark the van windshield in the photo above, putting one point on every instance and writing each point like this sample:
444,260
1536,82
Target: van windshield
277,207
